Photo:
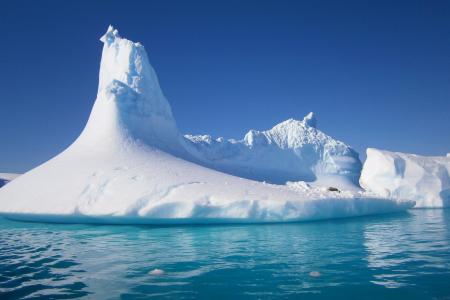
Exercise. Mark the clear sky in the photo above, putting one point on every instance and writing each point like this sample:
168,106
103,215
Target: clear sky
376,73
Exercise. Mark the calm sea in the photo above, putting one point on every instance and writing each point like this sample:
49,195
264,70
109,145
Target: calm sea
397,256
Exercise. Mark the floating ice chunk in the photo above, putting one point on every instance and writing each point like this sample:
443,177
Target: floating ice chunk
130,165
156,272
314,274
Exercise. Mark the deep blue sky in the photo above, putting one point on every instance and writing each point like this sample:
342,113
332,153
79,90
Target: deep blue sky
376,73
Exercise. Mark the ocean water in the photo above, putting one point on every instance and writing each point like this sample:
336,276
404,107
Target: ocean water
397,256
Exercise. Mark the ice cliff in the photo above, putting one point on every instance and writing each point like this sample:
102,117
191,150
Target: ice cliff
291,151
130,165
408,176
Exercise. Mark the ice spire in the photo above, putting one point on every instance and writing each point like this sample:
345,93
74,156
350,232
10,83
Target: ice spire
129,100
127,62
310,120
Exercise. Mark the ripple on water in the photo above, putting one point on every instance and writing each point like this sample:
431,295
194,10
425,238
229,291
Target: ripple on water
384,257
28,267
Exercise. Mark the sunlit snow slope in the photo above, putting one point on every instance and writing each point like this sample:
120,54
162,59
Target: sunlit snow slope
129,165
408,176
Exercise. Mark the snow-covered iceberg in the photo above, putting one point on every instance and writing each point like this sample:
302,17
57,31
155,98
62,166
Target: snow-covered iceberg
408,176
130,165
291,151
7,177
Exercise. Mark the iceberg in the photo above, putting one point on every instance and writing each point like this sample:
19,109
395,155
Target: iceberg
293,150
424,179
7,177
130,165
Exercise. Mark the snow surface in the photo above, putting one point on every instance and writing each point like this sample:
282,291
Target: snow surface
291,151
408,176
129,165
7,177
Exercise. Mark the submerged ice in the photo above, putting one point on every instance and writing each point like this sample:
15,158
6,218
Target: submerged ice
131,165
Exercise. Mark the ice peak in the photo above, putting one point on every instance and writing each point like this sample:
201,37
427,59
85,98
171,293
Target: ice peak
125,61
125,65
129,98
292,124
110,35
310,120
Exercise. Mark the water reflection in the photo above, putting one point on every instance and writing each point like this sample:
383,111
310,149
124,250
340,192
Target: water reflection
410,247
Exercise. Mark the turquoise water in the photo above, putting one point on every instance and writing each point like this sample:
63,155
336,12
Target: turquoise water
398,256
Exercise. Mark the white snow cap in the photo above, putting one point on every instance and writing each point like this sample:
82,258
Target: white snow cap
129,165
